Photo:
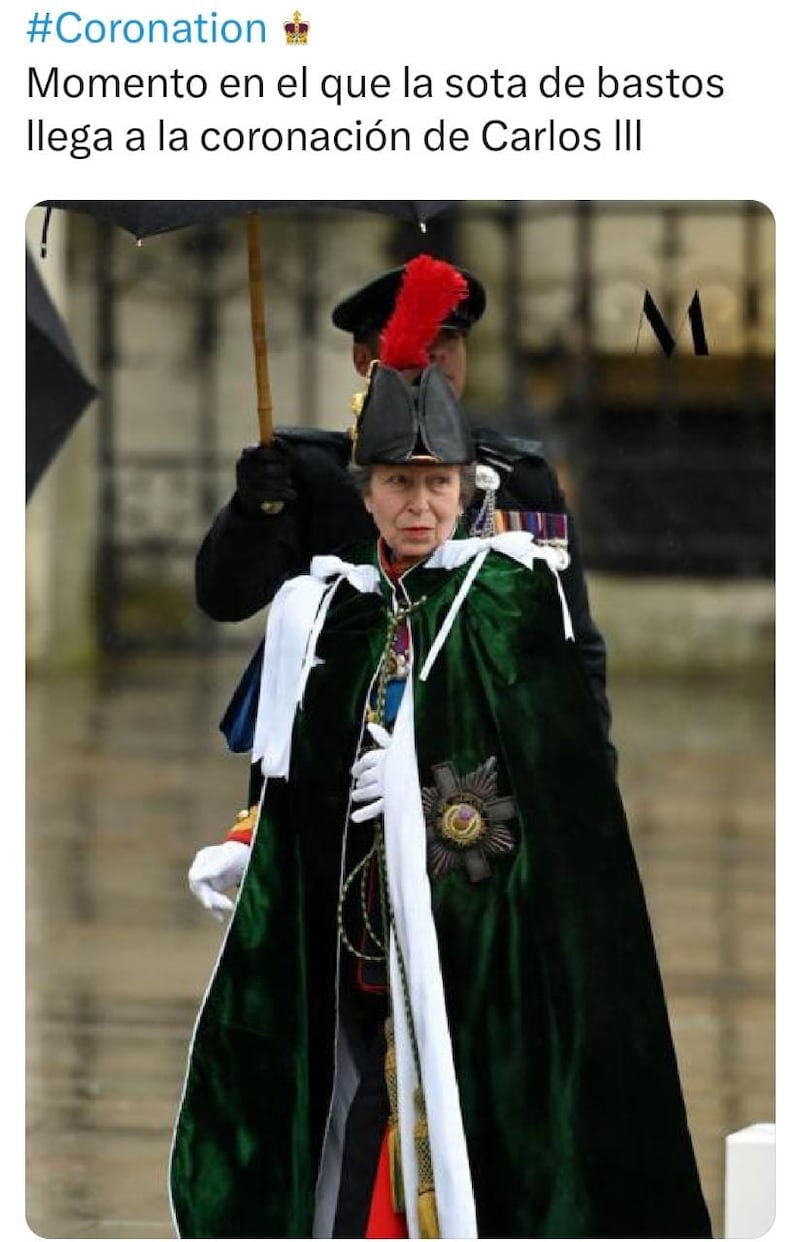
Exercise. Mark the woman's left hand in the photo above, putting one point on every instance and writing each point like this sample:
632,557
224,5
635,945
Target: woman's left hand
368,771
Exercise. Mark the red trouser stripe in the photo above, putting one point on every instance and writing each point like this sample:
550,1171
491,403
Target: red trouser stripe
383,1221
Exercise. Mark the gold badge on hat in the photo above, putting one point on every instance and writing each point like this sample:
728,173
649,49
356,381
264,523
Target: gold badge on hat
296,30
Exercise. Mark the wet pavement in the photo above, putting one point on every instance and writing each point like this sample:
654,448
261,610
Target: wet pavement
126,779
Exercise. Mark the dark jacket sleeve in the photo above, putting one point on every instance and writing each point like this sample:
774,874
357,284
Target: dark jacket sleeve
533,485
243,559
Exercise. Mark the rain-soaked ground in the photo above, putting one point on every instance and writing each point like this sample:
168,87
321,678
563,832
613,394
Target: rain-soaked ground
128,779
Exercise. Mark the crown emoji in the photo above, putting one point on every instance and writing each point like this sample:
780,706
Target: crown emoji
296,30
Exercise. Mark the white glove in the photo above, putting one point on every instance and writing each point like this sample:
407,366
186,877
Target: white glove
368,771
214,869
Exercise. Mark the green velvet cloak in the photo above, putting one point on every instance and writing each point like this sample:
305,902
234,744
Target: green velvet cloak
572,1106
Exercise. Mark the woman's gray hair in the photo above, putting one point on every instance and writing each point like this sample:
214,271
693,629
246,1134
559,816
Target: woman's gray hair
361,477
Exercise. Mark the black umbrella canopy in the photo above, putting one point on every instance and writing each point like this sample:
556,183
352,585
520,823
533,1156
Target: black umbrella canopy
56,390
148,217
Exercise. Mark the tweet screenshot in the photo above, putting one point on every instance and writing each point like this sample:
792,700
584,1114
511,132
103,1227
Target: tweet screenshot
398,745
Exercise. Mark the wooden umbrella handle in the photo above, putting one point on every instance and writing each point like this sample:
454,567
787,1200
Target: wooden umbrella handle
259,328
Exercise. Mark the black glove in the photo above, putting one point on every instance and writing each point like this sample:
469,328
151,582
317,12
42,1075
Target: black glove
264,478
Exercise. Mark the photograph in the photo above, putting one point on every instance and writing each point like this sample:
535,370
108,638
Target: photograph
400,718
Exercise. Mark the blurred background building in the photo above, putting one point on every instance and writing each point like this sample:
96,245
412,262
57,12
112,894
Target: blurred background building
668,465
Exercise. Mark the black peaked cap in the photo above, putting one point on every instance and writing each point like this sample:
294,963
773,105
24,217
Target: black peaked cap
368,309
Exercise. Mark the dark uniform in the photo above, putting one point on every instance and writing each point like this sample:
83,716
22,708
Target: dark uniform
247,554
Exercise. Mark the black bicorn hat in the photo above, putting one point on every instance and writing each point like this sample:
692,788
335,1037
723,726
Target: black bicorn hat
406,422
409,410
368,309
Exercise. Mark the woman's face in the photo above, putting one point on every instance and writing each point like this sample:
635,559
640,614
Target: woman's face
415,507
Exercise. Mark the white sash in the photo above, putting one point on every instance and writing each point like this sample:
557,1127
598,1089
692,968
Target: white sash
410,896
295,619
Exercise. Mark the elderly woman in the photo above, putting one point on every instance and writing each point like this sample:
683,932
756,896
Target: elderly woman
437,1010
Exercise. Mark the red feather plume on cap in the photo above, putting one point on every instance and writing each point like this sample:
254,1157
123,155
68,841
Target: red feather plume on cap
429,291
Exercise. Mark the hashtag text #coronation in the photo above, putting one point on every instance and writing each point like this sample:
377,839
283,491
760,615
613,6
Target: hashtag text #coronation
72,27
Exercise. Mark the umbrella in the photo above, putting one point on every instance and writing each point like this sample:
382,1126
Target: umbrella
56,391
146,218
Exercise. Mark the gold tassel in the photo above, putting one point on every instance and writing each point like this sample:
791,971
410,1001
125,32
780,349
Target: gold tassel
393,1136
426,1194
395,1170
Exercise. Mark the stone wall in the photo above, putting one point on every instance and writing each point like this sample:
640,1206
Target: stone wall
683,626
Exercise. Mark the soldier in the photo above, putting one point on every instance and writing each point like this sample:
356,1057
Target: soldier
293,498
